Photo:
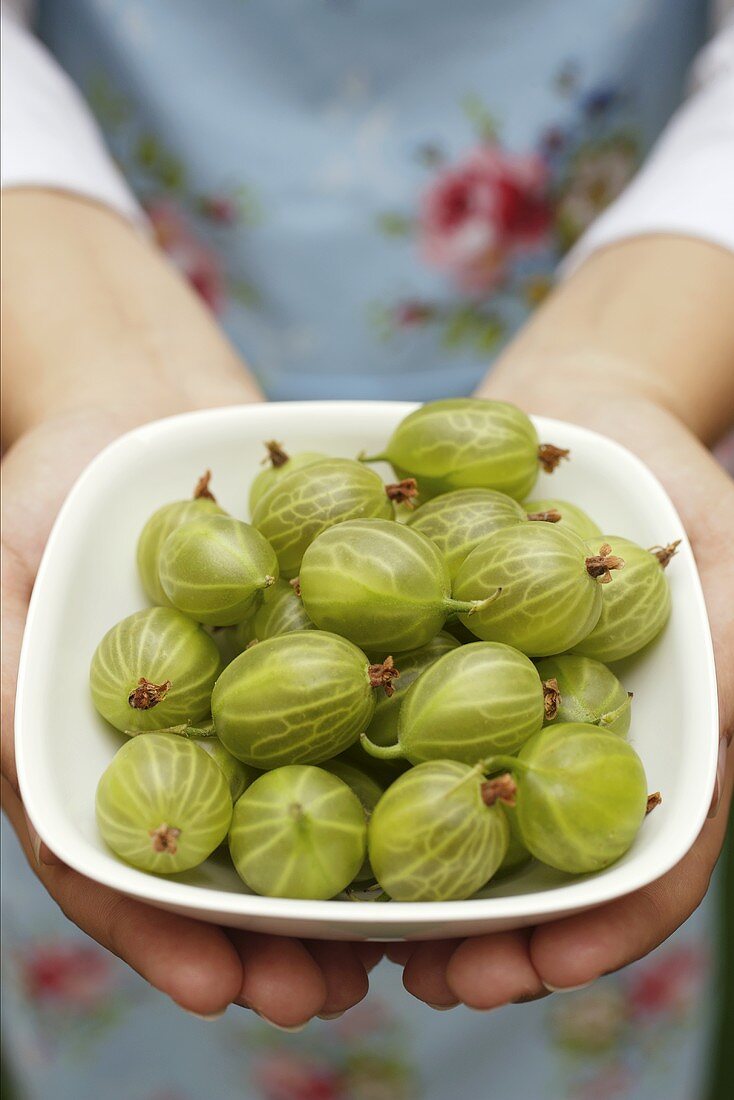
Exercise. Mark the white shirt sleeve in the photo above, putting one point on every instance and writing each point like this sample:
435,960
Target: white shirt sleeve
49,136
686,186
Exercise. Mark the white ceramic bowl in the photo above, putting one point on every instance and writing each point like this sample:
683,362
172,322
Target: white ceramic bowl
88,581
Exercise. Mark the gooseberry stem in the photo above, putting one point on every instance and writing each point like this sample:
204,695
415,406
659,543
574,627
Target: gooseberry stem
503,763
469,607
653,800
382,752
612,715
362,457
665,553
276,456
549,456
551,516
202,490
191,733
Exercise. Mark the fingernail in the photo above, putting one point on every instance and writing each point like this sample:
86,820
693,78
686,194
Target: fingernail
568,988
331,1015
279,1027
720,777
209,1015
34,839
442,1008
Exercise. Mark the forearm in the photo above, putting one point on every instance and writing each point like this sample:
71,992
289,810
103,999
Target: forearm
95,318
651,315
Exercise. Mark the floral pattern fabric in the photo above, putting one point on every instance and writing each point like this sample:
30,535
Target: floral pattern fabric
371,195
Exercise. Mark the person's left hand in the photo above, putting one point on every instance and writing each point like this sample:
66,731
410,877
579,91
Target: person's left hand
510,967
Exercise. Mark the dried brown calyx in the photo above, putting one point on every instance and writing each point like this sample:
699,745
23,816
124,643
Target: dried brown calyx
665,553
551,698
501,789
382,675
549,456
601,565
276,456
403,492
202,490
653,800
551,516
296,585
147,695
165,839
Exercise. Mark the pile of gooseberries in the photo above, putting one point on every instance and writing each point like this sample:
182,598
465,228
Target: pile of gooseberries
370,690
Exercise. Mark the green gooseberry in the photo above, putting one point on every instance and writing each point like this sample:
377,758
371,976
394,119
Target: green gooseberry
233,640
581,795
383,729
278,464
298,832
239,776
635,608
456,522
465,443
369,793
155,668
380,584
567,516
299,698
517,854
585,691
162,805
281,612
216,569
437,834
547,584
476,700
159,527
312,499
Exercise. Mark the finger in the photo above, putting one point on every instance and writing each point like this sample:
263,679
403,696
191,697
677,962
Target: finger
370,953
489,971
281,980
399,953
425,973
193,963
344,975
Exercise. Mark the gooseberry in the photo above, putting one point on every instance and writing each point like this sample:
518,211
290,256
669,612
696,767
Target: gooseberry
158,528
299,698
476,700
367,790
298,832
155,668
465,442
456,522
634,609
568,517
581,795
312,499
281,612
216,569
380,584
547,583
586,691
278,464
517,854
383,729
437,834
232,640
162,805
239,776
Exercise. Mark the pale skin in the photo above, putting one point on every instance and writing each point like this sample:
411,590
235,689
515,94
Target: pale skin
101,335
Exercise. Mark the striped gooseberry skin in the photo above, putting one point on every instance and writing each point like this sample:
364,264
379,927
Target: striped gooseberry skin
279,465
216,569
300,698
477,700
281,612
465,443
581,796
572,518
548,600
383,729
298,832
163,805
314,498
457,522
369,793
169,651
517,854
156,531
635,608
432,838
589,692
378,583
239,776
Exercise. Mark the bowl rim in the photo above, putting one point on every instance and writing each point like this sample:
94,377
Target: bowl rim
579,893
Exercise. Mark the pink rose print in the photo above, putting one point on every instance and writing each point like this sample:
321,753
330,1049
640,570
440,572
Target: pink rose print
482,213
288,1078
190,255
74,975
669,985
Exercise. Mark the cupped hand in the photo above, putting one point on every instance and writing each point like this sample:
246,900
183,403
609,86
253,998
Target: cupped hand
492,970
203,968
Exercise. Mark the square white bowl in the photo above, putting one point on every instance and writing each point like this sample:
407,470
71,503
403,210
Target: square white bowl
88,581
